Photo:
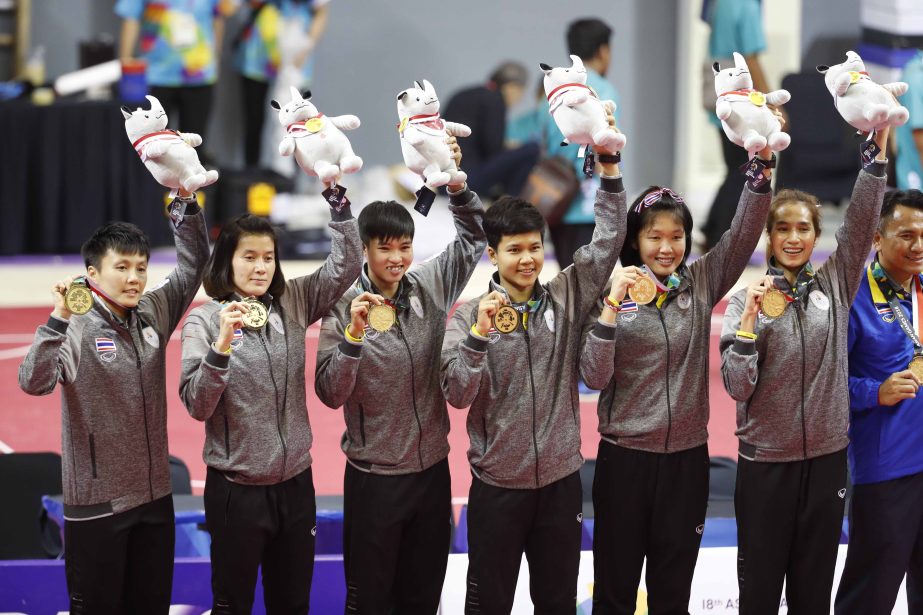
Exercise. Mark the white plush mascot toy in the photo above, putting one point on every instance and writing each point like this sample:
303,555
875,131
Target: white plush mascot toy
167,154
746,119
577,110
423,136
316,140
864,104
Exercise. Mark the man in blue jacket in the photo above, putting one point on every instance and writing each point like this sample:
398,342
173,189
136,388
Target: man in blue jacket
886,418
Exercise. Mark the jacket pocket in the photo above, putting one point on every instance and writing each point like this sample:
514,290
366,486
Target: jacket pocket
362,424
227,438
93,455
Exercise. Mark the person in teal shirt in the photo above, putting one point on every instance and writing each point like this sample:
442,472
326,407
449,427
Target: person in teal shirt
909,163
181,41
260,54
588,39
736,25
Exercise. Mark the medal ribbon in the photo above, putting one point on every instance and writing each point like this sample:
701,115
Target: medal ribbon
803,280
96,289
429,120
300,128
909,328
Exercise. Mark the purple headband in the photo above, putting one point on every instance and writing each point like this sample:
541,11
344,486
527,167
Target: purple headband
655,195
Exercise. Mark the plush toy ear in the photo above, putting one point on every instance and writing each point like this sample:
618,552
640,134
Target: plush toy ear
155,104
716,68
126,112
417,84
306,95
428,87
402,95
275,104
577,64
296,95
544,67
822,68
740,62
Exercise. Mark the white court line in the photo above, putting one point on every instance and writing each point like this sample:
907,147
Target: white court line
4,448
14,353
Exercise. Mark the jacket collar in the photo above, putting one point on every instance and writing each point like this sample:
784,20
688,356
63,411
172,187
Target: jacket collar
401,298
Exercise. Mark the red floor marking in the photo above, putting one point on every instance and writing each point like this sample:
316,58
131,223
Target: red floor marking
34,423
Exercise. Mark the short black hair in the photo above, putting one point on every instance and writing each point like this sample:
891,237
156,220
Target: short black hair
586,36
120,237
219,271
641,217
907,198
510,215
384,221
510,72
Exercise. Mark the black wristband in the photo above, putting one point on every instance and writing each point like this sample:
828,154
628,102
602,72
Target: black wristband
769,164
609,158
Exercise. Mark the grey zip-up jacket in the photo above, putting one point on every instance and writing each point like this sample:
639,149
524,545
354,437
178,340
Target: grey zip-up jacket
791,384
654,375
396,418
113,387
253,401
524,415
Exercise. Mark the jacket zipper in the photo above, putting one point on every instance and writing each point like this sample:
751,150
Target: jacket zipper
413,392
666,444
147,435
804,430
532,384
278,413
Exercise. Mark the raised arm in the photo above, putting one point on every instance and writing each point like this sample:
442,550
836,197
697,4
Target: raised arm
316,293
165,305
854,237
720,268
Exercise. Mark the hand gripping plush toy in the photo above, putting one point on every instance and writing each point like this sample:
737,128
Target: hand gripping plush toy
864,104
577,110
317,140
423,141
167,154
746,119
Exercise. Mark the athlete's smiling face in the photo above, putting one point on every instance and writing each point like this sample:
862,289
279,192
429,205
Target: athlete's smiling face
899,242
121,276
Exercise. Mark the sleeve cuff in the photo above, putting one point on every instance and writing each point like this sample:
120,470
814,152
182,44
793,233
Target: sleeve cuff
58,324
217,359
744,347
878,168
341,216
476,342
766,188
611,184
604,330
350,349
462,197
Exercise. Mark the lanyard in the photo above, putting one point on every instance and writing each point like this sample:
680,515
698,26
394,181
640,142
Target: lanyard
910,329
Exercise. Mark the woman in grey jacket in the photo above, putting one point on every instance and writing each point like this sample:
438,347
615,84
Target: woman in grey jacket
783,358
243,374
650,357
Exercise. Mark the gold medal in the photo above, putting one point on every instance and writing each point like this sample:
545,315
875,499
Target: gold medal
257,315
854,76
78,298
757,98
506,320
916,366
774,303
643,290
314,124
382,317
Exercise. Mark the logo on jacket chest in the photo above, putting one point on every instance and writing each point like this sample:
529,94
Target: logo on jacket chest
276,321
238,340
819,300
150,336
105,349
417,306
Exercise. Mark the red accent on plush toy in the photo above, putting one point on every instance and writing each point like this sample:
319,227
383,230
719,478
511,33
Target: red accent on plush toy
569,85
